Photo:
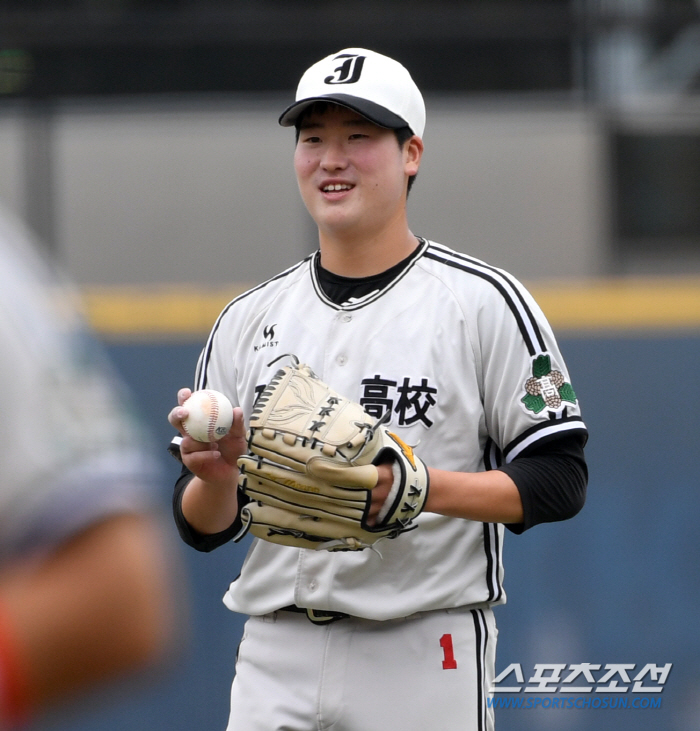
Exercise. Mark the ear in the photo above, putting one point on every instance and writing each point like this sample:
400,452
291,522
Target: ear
413,155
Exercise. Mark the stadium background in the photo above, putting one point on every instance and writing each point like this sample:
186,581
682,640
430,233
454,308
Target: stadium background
139,140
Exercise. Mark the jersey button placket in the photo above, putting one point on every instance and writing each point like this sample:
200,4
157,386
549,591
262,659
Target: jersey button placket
338,338
344,318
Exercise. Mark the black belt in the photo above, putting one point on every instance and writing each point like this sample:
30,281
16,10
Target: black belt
317,616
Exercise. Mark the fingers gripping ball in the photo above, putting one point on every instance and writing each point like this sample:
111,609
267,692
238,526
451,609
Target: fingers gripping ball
210,415
312,465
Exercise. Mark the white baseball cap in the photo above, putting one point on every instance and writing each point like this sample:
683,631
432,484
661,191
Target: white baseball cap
375,86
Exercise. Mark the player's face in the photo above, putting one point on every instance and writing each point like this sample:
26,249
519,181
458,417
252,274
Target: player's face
352,174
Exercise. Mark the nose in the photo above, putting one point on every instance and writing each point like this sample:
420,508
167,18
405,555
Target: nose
334,157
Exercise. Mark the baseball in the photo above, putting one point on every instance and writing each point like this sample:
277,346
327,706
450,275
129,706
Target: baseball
210,415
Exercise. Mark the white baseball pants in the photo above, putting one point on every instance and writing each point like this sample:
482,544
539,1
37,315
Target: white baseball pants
432,670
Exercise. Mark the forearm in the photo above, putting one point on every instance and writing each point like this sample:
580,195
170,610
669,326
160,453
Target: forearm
490,497
210,507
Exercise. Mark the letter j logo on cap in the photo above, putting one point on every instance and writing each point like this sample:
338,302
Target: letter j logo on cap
348,72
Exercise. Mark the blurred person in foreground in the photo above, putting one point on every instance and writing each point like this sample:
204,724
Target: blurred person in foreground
84,596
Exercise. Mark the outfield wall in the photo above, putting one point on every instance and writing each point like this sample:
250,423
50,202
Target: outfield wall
202,190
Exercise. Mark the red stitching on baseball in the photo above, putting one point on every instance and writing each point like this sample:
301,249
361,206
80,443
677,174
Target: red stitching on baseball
213,416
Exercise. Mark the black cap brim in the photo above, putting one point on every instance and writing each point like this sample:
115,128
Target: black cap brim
374,112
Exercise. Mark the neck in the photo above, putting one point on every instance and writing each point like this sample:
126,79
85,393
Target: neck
367,255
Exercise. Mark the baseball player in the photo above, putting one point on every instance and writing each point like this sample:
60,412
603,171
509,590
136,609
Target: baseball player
84,590
458,360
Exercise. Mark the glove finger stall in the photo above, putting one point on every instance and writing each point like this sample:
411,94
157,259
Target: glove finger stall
290,529
304,482
271,493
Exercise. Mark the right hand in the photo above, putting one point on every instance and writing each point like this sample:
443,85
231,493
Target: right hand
214,462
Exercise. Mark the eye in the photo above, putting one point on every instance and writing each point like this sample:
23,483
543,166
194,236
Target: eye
309,136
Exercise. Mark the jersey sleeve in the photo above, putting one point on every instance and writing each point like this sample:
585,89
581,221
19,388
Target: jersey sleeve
216,364
527,391
213,370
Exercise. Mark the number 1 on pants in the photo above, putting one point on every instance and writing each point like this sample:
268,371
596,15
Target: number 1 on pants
448,662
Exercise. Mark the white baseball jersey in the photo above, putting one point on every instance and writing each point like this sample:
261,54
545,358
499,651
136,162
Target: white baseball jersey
465,362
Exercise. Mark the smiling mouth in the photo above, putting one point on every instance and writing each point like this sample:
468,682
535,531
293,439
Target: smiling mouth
336,187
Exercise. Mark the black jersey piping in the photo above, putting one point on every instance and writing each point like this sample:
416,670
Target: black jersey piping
492,541
532,336
492,455
492,549
368,299
481,636
530,331
507,279
206,353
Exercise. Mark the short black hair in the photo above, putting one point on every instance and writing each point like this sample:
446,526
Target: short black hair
402,134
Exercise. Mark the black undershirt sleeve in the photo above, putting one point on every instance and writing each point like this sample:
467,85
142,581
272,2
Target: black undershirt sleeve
201,541
551,477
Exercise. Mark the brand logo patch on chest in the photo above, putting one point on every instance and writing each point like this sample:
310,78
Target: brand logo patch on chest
269,338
